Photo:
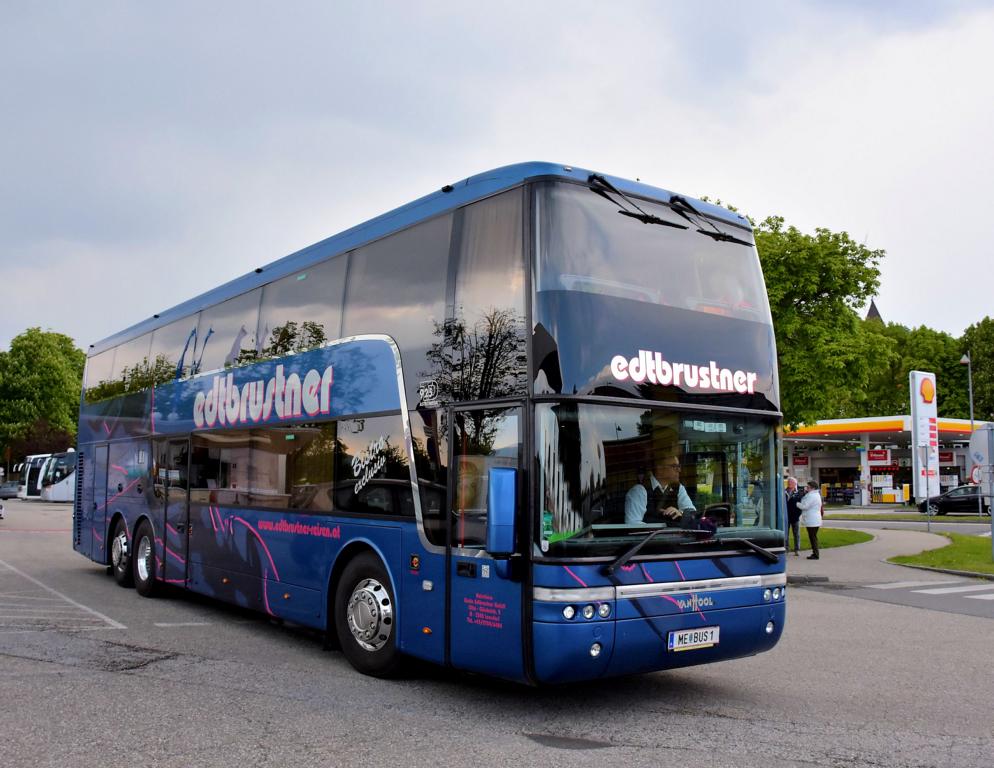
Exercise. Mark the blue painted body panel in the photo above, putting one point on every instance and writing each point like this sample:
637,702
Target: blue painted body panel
363,380
486,619
562,650
280,563
634,634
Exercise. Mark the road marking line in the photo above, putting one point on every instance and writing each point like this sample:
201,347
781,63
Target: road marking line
182,624
33,580
70,628
980,597
6,631
906,584
25,596
954,590
5,609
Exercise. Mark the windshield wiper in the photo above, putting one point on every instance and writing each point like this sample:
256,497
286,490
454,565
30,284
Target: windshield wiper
603,184
681,206
630,553
648,218
723,237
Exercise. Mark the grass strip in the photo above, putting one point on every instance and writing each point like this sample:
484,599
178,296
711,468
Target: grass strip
963,553
834,537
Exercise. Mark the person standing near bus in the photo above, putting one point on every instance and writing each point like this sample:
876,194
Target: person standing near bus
792,496
810,508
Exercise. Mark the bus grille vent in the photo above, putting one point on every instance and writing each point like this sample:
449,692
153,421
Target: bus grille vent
77,511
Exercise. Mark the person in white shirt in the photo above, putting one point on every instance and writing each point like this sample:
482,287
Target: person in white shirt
810,507
669,499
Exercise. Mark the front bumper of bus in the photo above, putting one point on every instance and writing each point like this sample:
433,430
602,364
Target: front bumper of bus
580,634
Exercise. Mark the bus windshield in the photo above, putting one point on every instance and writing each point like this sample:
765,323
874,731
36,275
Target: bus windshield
608,474
61,466
588,246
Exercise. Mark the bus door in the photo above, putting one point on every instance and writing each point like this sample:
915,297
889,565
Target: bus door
94,507
170,483
485,600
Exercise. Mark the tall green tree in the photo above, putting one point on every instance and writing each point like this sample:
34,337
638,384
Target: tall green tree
816,284
41,377
915,349
978,340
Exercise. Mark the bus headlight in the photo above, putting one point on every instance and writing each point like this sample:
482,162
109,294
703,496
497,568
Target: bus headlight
604,610
595,650
769,627
569,612
588,611
766,595
776,593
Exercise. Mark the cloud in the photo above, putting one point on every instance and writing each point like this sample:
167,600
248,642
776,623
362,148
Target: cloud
154,152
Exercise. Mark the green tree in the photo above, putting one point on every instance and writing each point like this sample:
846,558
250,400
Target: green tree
978,340
816,283
916,349
41,377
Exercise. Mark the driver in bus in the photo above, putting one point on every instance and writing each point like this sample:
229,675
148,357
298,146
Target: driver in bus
650,500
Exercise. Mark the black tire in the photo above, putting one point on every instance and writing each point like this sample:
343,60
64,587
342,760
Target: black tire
364,594
143,560
120,555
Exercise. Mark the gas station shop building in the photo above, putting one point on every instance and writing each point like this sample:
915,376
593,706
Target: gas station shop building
859,461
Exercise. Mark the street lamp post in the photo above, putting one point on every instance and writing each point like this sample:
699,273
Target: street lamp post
968,362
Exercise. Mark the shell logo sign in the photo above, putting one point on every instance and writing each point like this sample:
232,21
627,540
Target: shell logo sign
927,390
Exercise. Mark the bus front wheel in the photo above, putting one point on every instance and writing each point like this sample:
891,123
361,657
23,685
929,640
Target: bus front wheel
364,617
143,560
120,555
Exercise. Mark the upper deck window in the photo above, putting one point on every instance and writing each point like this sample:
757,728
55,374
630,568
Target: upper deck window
226,335
586,245
303,310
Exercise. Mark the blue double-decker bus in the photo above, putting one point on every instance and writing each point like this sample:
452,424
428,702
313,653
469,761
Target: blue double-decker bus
525,426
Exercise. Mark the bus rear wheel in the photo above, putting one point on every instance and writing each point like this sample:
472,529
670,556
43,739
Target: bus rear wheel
120,555
143,560
364,617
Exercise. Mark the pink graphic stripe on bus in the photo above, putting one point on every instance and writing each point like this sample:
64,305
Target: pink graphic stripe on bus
579,580
693,596
650,580
120,493
262,542
170,552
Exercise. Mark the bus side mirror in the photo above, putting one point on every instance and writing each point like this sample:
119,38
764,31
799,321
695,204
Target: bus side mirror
501,510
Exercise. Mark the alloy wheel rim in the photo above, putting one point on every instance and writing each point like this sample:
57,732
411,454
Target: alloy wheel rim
144,558
370,615
119,549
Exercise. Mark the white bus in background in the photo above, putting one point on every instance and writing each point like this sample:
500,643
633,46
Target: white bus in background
31,476
58,477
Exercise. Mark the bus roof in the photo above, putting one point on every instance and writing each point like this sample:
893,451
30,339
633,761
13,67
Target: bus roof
449,197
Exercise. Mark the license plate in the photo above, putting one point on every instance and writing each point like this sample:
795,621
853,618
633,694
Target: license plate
689,639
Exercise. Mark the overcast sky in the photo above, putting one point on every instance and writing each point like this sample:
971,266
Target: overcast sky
151,151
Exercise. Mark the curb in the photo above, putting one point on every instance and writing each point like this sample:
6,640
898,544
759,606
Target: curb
800,579
950,571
